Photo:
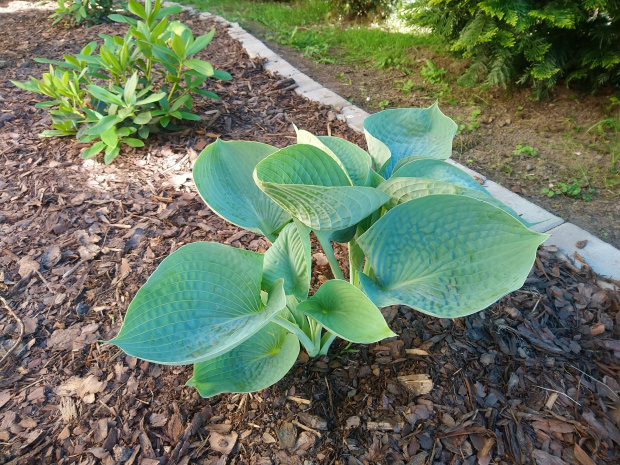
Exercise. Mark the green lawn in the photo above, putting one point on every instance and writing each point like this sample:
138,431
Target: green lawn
309,27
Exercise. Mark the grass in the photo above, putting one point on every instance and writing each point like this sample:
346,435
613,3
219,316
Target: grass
311,28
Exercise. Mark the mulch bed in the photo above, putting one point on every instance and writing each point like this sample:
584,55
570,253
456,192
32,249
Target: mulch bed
533,379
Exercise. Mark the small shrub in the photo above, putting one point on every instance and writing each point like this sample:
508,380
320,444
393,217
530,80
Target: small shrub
608,130
470,125
420,233
149,78
363,9
431,73
528,41
86,12
574,188
526,149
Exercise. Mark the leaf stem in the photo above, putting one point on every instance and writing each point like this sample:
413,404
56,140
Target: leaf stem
326,342
311,348
329,253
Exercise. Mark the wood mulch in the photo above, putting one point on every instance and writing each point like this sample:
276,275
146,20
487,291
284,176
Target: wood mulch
533,379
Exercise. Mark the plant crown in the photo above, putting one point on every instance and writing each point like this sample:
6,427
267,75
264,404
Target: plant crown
148,78
420,231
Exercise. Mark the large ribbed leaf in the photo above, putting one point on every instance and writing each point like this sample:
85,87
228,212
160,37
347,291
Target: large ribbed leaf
289,258
355,162
446,255
439,170
223,177
312,187
203,300
346,312
256,364
403,132
404,189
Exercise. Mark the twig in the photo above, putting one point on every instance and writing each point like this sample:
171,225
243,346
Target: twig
299,400
47,284
185,157
559,392
296,423
21,330
594,379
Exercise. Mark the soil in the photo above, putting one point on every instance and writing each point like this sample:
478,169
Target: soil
556,128
535,378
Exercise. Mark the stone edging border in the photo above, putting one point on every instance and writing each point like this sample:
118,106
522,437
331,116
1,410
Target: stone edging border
602,257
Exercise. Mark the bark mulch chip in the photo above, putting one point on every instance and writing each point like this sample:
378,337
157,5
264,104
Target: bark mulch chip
532,379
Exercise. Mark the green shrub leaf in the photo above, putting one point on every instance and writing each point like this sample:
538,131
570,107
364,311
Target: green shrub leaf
93,150
104,95
255,364
133,142
223,177
399,133
143,118
200,43
345,311
202,301
203,67
103,125
446,255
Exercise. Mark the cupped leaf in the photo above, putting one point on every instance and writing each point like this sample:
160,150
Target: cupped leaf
255,364
345,311
223,177
355,162
311,186
439,170
405,189
402,132
446,255
202,301
290,258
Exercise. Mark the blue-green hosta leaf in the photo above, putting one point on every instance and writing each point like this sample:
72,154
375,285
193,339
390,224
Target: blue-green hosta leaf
446,255
256,364
223,177
402,132
345,311
405,189
439,170
310,185
355,162
290,258
203,300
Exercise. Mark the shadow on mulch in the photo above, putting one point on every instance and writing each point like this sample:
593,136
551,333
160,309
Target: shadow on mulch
534,378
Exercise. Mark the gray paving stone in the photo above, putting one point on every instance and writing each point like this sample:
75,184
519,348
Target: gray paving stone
281,67
600,256
526,209
354,116
305,83
326,97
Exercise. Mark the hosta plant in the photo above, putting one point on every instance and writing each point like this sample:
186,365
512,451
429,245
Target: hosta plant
136,85
420,233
